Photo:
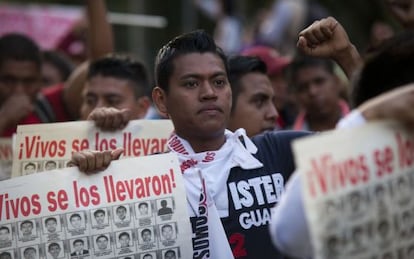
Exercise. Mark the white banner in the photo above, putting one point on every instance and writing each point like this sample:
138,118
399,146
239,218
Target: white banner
42,147
134,209
358,188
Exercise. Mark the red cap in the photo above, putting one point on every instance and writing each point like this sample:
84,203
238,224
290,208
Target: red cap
274,61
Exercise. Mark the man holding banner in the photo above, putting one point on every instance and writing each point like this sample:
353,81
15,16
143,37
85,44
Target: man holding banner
387,70
231,181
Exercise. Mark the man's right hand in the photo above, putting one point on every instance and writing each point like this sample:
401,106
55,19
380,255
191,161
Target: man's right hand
326,38
89,161
109,118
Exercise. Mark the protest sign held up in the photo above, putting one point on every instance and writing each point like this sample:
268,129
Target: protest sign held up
45,147
357,191
135,207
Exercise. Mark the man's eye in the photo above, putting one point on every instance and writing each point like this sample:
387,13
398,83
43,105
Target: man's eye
91,101
219,82
114,102
259,103
190,84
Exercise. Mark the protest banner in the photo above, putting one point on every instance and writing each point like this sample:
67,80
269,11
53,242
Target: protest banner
31,20
48,146
6,158
136,207
357,191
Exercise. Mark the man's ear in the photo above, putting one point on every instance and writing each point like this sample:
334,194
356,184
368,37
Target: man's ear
160,100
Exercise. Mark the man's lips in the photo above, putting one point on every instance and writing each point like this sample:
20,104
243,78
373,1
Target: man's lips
210,109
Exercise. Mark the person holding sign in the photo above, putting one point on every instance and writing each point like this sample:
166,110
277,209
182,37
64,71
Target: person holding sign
389,69
22,100
193,89
116,81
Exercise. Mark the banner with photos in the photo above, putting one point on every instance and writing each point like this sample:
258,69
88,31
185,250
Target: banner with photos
358,188
43,147
136,208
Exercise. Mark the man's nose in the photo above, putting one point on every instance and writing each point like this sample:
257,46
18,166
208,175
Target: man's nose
207,91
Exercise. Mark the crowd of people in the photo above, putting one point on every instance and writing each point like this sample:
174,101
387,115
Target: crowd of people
245,108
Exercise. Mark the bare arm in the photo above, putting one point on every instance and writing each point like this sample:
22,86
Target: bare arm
100,42
327,38
100,35
396,104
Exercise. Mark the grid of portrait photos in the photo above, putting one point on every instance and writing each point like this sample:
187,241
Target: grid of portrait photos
380,217
31,167
141,230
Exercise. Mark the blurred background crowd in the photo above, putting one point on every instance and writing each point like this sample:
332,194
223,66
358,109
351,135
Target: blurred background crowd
307,93
141,27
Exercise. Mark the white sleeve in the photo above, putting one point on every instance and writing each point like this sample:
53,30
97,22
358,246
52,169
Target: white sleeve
352,120
288,228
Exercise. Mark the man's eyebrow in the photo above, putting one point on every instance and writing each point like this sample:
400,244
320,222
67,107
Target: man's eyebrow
196,75
261,95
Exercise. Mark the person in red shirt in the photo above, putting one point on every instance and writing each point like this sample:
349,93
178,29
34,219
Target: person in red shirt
22,101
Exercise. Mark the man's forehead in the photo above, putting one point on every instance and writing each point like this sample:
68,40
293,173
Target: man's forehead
19,67
198,64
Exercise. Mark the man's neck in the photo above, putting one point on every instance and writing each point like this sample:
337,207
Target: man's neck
203,144
208,144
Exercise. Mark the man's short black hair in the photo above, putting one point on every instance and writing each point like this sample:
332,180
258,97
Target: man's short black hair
193,42
14,46
122,67
390,66
302,62
60,61
240,66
